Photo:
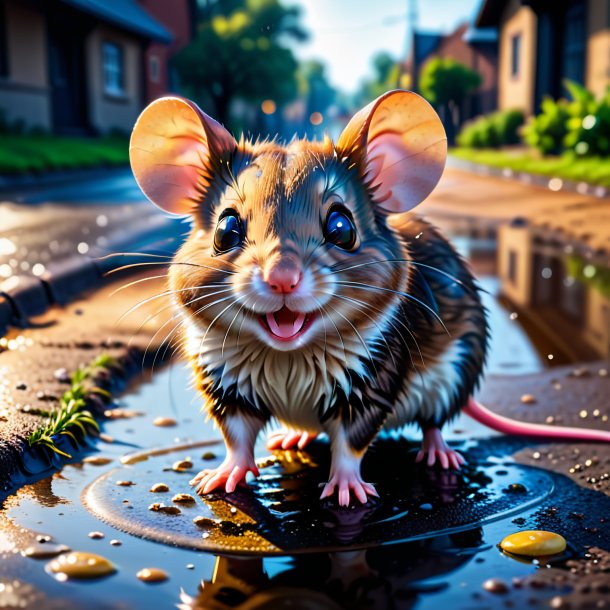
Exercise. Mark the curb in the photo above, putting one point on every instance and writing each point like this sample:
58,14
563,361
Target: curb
66,280
551,183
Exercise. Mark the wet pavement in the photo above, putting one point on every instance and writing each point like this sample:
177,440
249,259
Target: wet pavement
447,565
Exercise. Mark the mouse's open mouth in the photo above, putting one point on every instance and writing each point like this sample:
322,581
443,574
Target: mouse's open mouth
285,324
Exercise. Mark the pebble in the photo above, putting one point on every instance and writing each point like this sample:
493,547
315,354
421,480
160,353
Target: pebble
152,575
528,399
96,535
122,413
160,508
159,487
164,422
516,488
190,566
62,375
495,585
81,565
426,506
44,550
205,521
183,499
182,465
125,483
116,543
533,543
97,460
208,455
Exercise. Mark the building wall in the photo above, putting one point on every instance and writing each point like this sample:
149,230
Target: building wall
597,71
177,18
107,112
24,93
517,91
516,241
597,326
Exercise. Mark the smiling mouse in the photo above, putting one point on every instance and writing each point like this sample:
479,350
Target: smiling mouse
309,293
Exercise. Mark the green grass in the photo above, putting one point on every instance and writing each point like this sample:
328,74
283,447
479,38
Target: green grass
594,170
71,418
21,154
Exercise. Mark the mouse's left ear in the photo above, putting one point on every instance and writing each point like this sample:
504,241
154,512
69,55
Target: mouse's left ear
174,150
400,145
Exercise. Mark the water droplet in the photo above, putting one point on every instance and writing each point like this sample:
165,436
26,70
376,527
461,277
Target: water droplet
152,575
81,565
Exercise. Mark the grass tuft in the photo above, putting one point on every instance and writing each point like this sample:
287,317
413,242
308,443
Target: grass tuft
72,418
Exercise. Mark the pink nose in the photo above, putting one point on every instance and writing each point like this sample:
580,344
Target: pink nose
284,277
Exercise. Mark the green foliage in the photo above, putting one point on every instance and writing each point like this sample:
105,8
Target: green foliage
71,417
492,131
588,125
37,153
587,273
547,130
386,76
240,52
594,170
444,80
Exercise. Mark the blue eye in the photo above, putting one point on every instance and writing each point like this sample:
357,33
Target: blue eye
340,229
229,232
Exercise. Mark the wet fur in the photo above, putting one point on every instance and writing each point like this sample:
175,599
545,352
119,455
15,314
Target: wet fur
378,359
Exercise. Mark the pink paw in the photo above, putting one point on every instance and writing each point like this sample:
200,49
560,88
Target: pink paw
288,439
229,474
347,482
434,446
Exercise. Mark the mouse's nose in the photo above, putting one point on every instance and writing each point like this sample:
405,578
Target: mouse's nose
284,276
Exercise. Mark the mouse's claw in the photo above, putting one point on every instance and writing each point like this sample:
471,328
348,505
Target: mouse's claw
289,439
231,473
434,447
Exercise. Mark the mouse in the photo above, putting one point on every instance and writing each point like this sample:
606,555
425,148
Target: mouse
309,293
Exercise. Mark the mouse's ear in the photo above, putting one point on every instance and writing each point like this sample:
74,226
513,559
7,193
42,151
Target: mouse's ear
400,145
174,150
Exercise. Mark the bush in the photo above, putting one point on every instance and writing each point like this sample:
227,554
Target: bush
589,123
547,130
492,131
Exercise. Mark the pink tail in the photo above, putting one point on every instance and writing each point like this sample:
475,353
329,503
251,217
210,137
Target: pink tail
509,426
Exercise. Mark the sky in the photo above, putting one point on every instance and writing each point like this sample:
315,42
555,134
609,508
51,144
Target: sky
347,33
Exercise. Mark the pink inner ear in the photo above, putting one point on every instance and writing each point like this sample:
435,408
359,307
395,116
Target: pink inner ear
403,175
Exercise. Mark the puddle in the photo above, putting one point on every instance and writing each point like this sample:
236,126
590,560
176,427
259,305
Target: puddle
283,512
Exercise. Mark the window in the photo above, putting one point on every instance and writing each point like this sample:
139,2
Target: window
515,54
155,69
114,77
512,266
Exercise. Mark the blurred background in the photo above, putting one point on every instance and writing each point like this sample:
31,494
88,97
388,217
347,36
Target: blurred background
521,86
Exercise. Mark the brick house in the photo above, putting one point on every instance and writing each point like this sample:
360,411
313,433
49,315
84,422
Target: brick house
473,47
542,43
86,66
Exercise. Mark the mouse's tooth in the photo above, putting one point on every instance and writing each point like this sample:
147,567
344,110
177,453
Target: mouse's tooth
298,323
273,325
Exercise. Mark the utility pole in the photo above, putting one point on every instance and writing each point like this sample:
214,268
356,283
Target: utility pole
412,16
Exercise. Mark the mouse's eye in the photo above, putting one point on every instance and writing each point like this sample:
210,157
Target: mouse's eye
340,229
229,232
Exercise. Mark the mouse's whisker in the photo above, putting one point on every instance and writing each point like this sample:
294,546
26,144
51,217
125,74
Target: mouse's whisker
323,309
233,321
370,357
184,263
406,295
237,299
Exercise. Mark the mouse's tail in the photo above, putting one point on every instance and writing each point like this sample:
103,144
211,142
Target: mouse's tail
510,426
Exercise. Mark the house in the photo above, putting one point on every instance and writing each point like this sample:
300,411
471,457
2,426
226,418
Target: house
542,43
80,67
473,47
556,264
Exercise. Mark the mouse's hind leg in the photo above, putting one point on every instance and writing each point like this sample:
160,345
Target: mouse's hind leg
289,439
435,448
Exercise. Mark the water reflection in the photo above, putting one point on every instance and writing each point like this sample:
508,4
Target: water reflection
394,577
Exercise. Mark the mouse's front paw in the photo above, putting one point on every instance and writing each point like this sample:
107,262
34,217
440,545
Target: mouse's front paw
229,474
347,482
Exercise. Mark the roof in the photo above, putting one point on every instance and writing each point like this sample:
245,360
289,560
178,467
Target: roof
424,43
489,13
125,14
475,35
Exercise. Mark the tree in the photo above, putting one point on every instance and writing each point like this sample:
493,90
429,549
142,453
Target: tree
445,83
315,89
386,76
240,53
